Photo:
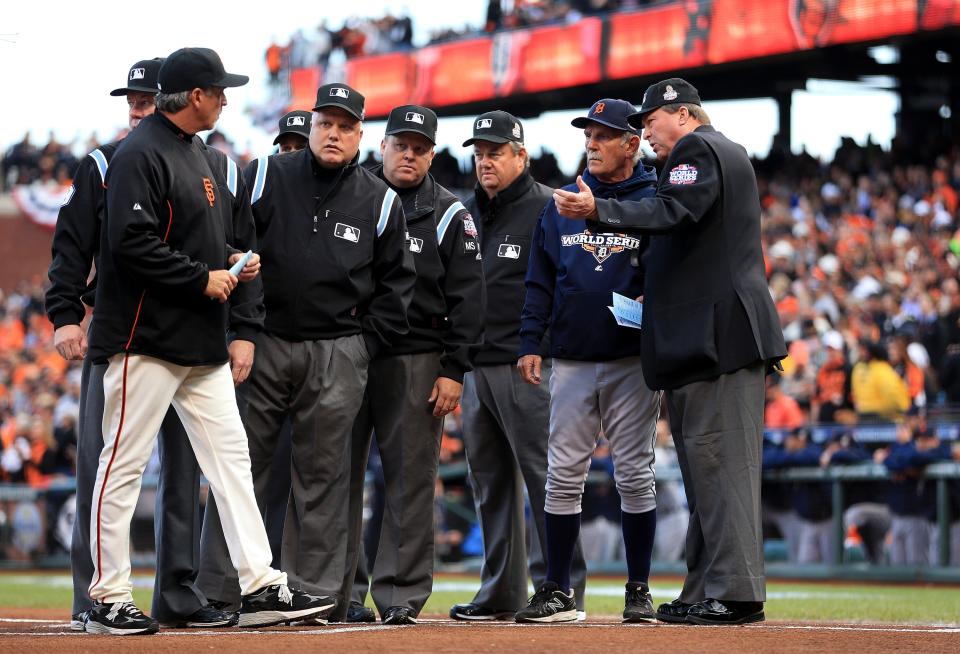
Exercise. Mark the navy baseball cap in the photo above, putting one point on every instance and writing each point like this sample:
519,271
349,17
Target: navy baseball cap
142,78
496,127
196,68
670,91
610,112
294,122
343,96
413,118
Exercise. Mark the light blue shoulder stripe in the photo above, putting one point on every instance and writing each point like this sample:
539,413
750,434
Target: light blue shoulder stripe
385,209
232,176
101,162
260,181
447,218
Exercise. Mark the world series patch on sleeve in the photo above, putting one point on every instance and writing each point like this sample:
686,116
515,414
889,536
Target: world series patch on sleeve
683,174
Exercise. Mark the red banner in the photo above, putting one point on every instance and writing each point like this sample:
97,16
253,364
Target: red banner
866,20
742,29
454,73
304,83
555,57
656,40
940,13
385,81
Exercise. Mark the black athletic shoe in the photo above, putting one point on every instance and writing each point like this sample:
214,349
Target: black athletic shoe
637,603
357,612
275,604
549,604
476,612
716,612
205,617
226,607
399,615
78,621
119,619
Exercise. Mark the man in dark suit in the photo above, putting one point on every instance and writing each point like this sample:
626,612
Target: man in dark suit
710,333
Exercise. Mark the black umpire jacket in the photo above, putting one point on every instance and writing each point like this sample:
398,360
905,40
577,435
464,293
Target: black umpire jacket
335,260
506,223
168,222
707,308
76,242
446,312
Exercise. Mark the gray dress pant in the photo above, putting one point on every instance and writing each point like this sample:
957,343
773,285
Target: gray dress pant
718,432
319,386
505,432
176,522
396,411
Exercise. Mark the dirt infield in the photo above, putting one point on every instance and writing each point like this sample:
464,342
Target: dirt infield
47,631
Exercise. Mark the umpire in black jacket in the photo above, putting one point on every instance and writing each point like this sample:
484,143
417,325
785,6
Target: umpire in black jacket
710,333
505,420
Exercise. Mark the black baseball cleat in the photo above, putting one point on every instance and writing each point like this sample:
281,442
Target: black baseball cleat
637,603
399,615
477,612
78,621
675,611
357,612
549,604
278,603
204,617
716,612
119,619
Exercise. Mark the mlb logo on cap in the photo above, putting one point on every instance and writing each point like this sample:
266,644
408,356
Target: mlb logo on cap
484,123
496,127
137,73
339,92
294,121
414,117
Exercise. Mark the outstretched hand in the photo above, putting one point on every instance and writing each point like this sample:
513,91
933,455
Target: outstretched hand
576,205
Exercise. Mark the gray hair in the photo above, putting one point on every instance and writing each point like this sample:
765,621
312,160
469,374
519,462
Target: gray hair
696,111
625,139
516,146
172,103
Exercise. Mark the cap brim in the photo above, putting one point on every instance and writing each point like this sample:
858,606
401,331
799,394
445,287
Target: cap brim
583,121
636,120
231,80
276,141
490,139
133,89
421,132
338,106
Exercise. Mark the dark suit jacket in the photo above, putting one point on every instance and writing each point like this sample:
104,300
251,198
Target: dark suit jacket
707,307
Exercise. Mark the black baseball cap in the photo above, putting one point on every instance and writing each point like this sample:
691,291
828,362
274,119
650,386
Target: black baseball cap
142,78
670,91
496,127
294,122
413,118
196,68
610,112
340,95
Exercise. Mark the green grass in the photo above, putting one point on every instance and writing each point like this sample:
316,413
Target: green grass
790,601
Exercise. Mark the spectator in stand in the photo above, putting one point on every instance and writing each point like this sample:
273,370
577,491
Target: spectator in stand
879,394
273,57
782,411
912,498
672,512
908,371
832,399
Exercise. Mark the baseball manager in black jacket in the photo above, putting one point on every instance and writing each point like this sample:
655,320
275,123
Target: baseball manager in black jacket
710,332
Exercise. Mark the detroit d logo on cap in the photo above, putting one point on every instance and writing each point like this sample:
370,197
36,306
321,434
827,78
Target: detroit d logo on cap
414,117
137,73
295,121
484,123
339,92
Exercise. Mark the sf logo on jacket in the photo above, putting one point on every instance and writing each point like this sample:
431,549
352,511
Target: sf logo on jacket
601,246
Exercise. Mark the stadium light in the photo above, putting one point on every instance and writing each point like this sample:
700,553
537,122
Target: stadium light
885,55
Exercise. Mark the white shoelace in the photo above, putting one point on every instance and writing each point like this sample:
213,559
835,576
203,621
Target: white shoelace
285,595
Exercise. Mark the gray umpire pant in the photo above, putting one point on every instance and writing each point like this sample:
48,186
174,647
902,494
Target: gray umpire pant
176,522
396,411
319,385
718,432
505,432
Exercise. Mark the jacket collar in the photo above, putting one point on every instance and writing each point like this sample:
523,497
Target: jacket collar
518,187
418,201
